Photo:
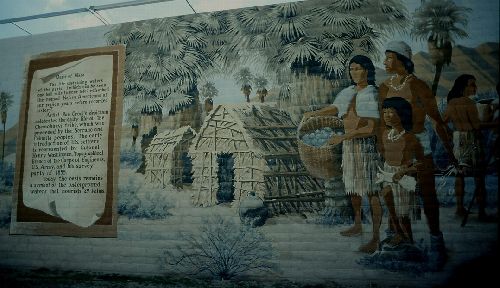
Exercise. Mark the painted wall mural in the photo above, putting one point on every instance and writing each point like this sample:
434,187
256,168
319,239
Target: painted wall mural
258,139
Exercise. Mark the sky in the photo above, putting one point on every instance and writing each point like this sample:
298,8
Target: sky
483,27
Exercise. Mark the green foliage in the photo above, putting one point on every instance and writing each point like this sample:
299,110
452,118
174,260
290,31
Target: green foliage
439,21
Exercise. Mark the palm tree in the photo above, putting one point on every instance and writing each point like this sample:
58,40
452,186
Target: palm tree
244,78
261,83
314,41
208,92
437,21
165,59
5,102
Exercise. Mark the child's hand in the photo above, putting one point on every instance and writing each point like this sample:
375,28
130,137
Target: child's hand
397,176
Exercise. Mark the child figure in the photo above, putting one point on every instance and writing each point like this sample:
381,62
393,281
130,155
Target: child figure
400,151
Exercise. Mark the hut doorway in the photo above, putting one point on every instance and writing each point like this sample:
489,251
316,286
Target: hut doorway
225,177
187,168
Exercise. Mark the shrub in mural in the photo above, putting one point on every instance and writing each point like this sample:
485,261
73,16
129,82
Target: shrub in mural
222,249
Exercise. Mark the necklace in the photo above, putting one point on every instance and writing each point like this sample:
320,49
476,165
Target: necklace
398,87
393,136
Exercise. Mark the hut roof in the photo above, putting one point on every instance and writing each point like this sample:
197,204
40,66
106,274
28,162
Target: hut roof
166,141
266,130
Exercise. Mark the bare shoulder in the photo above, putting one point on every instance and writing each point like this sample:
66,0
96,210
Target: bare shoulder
417,83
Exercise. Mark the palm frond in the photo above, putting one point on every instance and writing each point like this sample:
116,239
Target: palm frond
347,5
123,33
287,10
147,103
255,19
336,43
330,16
333,63
291,28
210,23
301,51
439,21
176,101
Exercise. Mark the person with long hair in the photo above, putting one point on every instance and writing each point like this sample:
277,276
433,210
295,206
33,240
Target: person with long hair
462,112
400,154
357,106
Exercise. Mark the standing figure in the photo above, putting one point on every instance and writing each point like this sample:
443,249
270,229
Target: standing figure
400,154
406,85
357,105
467,145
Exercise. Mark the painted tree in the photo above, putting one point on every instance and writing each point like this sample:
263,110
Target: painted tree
438,22
261,84
5,102
314,40
165,59
208,92
244,78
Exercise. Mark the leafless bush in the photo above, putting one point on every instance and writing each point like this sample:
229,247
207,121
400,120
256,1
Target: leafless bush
222,249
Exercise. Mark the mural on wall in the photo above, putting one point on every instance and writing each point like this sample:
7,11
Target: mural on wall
330,124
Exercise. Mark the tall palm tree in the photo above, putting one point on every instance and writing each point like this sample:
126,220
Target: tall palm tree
261,83
437,22
244,78
5,102
208,92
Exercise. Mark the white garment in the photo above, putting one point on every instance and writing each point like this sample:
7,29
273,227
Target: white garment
366,101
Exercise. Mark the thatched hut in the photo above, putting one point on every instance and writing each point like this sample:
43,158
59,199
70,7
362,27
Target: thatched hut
167,160
251,147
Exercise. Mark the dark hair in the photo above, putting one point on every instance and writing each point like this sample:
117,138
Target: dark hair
402,108
458,88
367,64
407,63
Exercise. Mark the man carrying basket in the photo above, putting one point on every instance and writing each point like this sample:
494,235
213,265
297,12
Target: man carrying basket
357,105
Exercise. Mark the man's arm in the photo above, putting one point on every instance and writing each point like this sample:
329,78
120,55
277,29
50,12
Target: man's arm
430,107
382,94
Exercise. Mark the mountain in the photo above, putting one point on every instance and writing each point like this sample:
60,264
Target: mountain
482,62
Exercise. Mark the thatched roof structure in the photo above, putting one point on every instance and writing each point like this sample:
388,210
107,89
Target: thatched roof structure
263,142
165,156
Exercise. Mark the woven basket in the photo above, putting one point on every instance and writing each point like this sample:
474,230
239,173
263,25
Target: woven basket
323,162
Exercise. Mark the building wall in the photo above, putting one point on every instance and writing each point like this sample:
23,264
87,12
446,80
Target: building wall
155,225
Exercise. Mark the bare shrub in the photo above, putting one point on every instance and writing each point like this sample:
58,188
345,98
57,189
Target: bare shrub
221,249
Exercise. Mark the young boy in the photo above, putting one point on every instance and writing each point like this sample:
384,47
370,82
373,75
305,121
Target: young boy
401,148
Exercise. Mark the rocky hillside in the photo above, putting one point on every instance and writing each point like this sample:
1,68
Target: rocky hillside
482,62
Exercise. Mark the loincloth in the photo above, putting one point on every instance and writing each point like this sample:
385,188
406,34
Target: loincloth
404,200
